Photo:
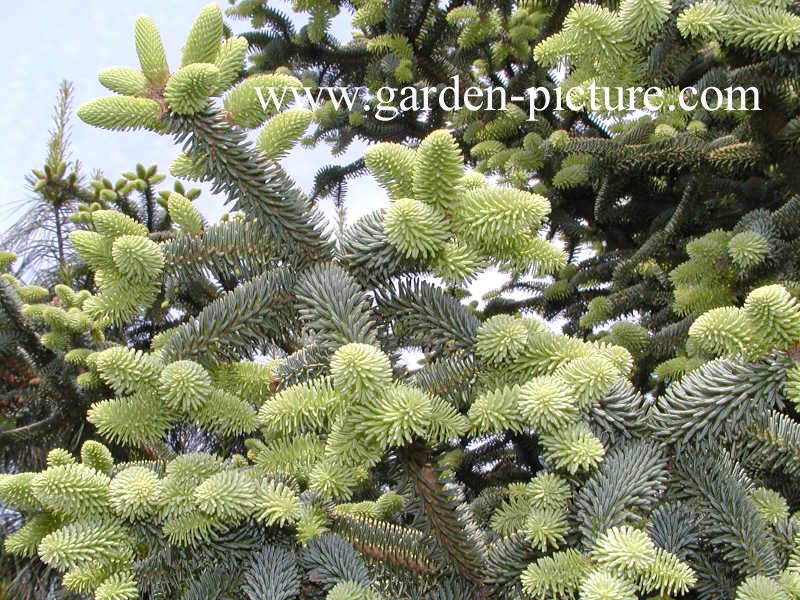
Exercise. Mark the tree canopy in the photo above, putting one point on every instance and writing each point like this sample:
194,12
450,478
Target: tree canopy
230,410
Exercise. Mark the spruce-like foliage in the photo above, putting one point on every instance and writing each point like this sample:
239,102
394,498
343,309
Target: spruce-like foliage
628,191
260,431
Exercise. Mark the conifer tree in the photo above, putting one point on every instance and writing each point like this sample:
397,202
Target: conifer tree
260,432
39,235
627,195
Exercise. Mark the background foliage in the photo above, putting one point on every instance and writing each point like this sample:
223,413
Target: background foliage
228,410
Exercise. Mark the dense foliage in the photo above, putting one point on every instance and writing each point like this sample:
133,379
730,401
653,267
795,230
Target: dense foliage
634,190
235,408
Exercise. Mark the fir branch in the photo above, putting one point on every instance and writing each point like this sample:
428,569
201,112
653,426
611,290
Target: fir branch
464,552
421,314
628,482
333,307
254,184
401,546
238,321
720,399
